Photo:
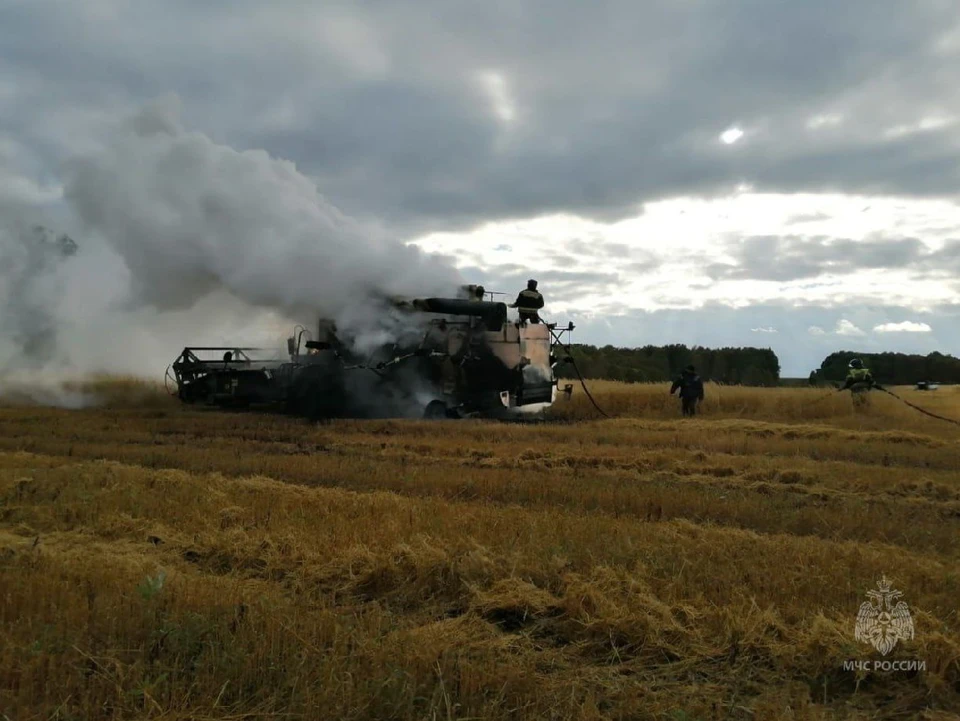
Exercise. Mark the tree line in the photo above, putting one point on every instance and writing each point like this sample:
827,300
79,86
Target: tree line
743,366
892,368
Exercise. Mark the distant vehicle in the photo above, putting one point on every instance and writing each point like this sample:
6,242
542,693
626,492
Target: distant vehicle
469,361
927,386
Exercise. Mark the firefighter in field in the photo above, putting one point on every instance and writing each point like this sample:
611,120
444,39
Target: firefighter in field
859,381
528,302
691,390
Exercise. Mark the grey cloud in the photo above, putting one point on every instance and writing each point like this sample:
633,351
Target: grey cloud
578,245
563,277
628,258
807,218
556,285
512,269
571,286
784,258
621,249
599,248
945,261
642,267
379,101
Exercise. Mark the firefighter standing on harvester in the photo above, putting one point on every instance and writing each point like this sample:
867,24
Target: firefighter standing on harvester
528,302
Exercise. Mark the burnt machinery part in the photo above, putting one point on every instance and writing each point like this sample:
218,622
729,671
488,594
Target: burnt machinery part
234,379
536,393
494,315
435,410
316,390
482,366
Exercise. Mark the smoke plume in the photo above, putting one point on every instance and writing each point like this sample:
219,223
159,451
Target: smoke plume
180,241
32,257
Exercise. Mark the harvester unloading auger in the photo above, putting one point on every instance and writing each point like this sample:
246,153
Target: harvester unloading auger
469,361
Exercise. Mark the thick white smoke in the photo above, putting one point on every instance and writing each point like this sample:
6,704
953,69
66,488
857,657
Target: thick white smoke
31,258
190,217
182,241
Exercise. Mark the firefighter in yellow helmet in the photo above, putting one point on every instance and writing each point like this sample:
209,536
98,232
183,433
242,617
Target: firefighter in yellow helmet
859,381
528,302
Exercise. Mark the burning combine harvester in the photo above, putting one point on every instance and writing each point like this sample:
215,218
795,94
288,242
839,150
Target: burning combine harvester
466,360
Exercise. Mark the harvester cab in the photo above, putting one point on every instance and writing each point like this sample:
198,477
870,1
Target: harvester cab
483,363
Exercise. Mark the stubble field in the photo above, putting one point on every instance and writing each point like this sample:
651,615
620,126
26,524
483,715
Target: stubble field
166,562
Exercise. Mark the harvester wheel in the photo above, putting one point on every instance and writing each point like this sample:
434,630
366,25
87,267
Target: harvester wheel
310,399
170,382
435,411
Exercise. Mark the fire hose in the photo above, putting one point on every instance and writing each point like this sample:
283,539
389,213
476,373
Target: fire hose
579,375
902,400
918,408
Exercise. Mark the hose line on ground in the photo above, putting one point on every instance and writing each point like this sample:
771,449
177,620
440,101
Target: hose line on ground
902,400
579,375
918,408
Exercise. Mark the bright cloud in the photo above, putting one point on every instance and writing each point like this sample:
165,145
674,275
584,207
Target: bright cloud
845,327
924,125
731,135
824,121
667,256
904,327
498,93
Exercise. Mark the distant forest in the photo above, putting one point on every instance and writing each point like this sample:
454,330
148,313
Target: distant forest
892,368
744,366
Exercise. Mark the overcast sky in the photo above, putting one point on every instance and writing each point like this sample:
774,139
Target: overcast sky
715,172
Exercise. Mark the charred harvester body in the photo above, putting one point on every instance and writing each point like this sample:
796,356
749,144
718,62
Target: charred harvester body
467,359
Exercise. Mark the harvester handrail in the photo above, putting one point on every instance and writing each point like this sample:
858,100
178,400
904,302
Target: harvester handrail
222,347
188,356
235,361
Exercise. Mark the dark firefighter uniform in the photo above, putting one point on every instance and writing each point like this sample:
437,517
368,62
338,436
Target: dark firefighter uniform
528,302
691,390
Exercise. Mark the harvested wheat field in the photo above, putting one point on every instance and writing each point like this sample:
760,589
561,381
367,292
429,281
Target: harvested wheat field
166,562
